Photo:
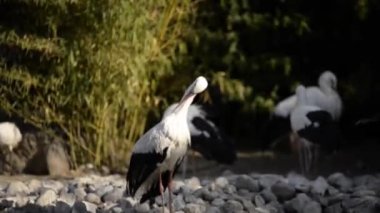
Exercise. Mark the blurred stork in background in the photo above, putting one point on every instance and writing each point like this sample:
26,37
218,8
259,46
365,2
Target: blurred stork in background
314,129
324,96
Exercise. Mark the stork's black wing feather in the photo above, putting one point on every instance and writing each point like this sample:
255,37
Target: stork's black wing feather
155,188
141,166
213,145
323,130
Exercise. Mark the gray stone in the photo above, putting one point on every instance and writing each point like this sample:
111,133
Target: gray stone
267,180
177,186
351,202
67,198
47,198
246,182
363,204
113,196
337,198
319,186
332,190
80,193
34,185
218,202
277,206
244,193
298,203
364,180
160,210
221,182
21,200
126,202
62,207
92,198
232,206
340,181
268,195
83,206
336,208
158,199
117,209
103,190
17,187
199,201
259,201
312,207
230,189
248,205
54,185
283,191
209,196
142,208
178,203
299,182
363,192
193,183
190,199
213,209
194,208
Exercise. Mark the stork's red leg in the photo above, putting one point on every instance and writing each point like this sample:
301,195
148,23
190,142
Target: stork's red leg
170,192
161,192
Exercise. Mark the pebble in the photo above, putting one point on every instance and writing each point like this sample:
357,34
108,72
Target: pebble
17,187
246,182
319,186
283,191
92,198
47,198
340,181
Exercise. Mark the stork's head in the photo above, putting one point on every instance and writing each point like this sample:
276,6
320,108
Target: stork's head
301,95
328,80
198,86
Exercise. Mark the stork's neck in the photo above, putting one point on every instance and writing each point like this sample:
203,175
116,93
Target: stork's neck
327,89
301,98
182,108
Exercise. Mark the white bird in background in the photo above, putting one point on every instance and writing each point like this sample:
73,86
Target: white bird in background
206,137
157,155
314,128
10,135
325,96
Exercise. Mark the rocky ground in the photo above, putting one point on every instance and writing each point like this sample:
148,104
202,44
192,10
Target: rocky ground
259,183
228,192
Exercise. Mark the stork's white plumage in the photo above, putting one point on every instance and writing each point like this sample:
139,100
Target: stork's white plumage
324,96
159,152
10,135
206,137
314,128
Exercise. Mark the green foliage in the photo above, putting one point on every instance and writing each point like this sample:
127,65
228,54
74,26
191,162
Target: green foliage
90,67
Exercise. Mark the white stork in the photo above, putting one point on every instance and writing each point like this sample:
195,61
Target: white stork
206,138
314,128
324,96
159,152
10,136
